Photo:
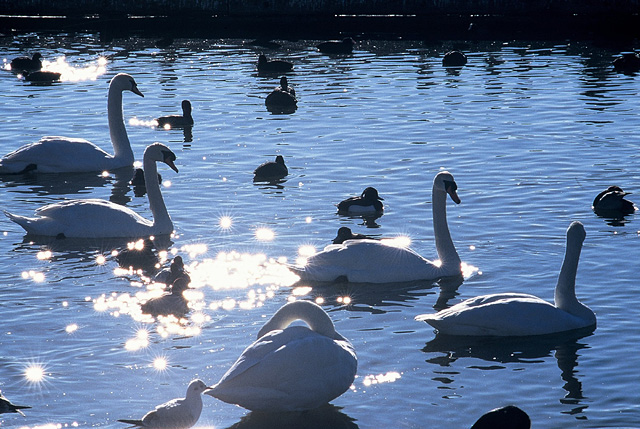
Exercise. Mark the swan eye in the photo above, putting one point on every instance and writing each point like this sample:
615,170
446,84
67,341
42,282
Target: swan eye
168,155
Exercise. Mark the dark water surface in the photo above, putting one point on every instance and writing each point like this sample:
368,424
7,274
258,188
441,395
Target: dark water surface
531,133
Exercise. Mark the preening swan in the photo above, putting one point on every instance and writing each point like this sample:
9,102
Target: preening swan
179,413
291,368
518,314
366,203
73,155
372,261
94,218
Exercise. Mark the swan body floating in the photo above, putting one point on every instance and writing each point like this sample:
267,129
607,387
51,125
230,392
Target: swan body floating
509,417
95,218
518,314
177,121
272,170
291,368
344,46
273,66
366,203
345,233
282,99
612,201
26,64
171,303
6,406
372,261
73,155
179,413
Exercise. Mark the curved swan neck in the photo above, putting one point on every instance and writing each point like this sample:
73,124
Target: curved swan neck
310,313
161,219
565,293
444,244
117,131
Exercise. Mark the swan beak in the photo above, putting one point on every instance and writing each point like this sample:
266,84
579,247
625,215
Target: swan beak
451,190
136,91
170,163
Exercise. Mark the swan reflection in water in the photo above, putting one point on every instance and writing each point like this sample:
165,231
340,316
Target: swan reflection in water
327,416
527,350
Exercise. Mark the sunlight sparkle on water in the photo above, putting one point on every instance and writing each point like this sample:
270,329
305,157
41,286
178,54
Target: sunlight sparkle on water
70,73
34,373
225,222
468,270
140,122
401,241
101,260
389,377
140,341
160,363
34,275
346,300
71,328
264,234
44,255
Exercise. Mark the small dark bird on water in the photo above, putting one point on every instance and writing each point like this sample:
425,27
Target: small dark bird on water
26,64
282,99
42,76
345,233
344,46
509,417
454,59
627,62
272,170
366,203
273,66
611,202
177,121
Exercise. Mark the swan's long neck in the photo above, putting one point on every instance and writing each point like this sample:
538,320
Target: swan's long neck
310,313
118,132
565,293
444,244
161,219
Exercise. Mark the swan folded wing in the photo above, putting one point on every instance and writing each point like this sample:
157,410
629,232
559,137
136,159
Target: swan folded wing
53,154
368,261
290,370
511,314
86,218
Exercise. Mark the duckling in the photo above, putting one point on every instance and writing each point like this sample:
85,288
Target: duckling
344,46
172,303
272,170
26,64
282,99
367,203
273,66
175,270
177,121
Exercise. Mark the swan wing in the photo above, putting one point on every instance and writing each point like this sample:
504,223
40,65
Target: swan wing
289,370
53,154
368,261
509,314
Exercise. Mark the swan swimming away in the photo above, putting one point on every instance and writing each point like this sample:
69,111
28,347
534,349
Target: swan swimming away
74,155
179,413
372,261
518,314
291,368
366,203
95,218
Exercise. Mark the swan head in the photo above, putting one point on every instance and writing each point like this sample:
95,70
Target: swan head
125,82
186,107
445,182
159,152
576,232
371,194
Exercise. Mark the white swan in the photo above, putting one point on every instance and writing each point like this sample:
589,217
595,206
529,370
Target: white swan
94,218
372,261
517,314
179,413
73,155
291,368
